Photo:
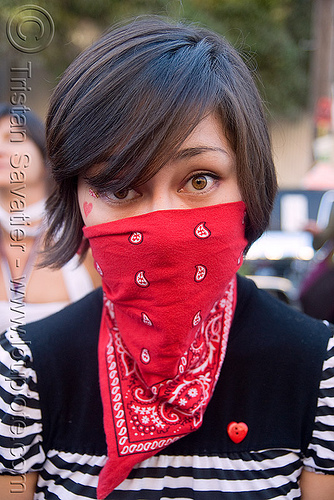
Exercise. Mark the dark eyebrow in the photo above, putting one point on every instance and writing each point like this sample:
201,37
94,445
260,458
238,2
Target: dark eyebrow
189,152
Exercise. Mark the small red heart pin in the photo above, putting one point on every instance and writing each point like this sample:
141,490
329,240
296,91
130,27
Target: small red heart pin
237,431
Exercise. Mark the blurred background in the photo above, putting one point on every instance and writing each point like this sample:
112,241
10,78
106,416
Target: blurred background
289,44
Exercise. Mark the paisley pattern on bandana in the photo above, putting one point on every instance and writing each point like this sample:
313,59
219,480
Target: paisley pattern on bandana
149,418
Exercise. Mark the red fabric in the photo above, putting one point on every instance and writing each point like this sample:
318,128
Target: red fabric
169,286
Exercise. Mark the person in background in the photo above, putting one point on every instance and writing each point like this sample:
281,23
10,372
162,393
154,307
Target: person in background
322,236
28,293
179,379
317,290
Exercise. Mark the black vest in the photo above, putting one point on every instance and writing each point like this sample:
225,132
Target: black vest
269,379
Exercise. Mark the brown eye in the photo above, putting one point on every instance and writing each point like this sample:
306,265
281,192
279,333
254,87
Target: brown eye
121,194
199,182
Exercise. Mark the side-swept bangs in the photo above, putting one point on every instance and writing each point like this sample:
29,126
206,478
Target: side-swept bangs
154,113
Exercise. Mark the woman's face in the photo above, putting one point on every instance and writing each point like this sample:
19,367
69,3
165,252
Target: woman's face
203,173
23,156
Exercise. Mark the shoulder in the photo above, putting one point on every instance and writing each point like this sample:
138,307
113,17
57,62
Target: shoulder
258,311
75,323
66,342
20,422
64,348
90,304
320,453
277,344
282,348
272,370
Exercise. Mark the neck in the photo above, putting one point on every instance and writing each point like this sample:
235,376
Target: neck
22,209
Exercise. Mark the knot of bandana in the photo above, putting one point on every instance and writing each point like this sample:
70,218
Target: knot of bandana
169,298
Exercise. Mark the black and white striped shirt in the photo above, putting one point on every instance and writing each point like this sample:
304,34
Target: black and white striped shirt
282,386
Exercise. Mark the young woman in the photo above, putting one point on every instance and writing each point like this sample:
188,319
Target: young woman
26,292
317,289
181,379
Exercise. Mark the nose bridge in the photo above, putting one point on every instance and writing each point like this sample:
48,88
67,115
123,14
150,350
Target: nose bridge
161,191
162,198
160,194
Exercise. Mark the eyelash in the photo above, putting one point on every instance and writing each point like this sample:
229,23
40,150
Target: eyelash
117,201
213,176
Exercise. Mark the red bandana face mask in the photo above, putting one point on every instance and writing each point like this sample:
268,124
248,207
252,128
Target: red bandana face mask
169,298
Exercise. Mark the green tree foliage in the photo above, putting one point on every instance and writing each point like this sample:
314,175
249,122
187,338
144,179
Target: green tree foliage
272,36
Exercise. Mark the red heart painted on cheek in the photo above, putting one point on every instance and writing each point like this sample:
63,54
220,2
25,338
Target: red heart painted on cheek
237,431
87,208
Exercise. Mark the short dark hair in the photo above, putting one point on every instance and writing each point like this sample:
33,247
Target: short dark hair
130,100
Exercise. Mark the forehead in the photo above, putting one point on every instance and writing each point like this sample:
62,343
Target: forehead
208,133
